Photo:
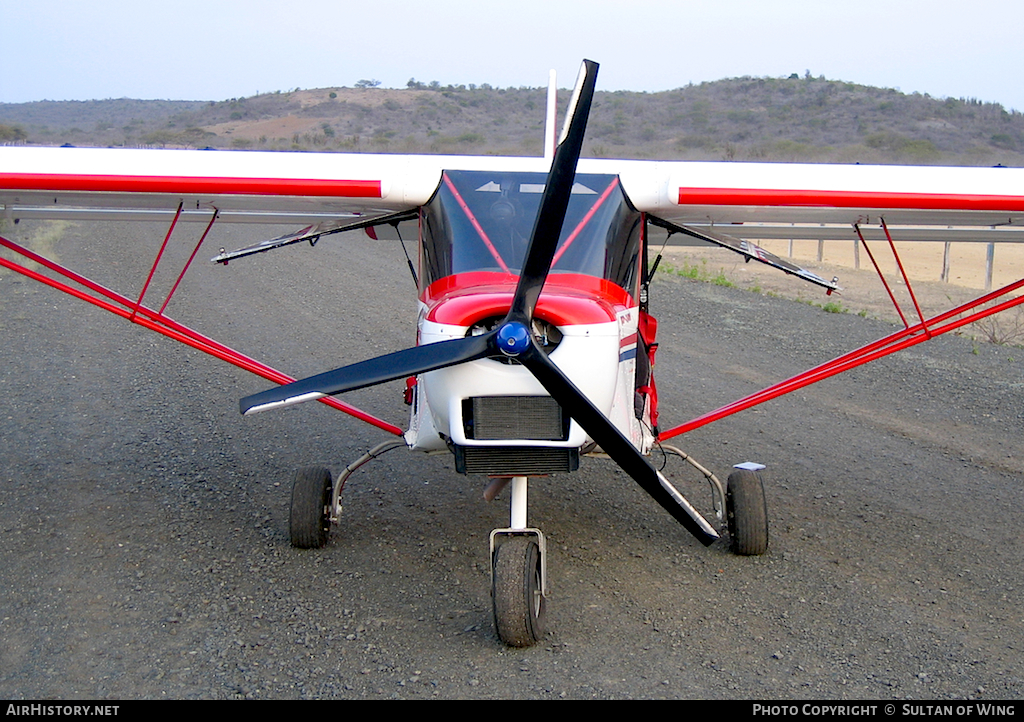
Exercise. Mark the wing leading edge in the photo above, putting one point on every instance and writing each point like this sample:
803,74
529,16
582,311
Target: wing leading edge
755,200
759,201
248,187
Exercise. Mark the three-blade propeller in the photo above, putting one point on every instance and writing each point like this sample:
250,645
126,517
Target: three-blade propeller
512,337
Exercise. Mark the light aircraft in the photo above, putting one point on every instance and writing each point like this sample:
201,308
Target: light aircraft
535,341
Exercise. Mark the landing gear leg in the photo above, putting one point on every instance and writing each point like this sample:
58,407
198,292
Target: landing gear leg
316,499
518,578
741,503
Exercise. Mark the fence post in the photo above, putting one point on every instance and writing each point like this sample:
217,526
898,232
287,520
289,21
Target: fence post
990,255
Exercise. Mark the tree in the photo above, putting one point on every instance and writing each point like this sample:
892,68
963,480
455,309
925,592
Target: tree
10,133
368,84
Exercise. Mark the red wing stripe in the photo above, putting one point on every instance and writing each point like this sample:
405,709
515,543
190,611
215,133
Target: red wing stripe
193,184
848,199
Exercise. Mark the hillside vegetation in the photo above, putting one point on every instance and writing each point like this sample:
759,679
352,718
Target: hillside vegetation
803,119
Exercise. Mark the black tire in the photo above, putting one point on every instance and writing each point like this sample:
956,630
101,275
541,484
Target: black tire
747,512
520,610
309,521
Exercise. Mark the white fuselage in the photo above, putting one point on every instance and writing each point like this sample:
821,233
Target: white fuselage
599,358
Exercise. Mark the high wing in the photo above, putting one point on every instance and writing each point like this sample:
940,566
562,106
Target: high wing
258,187
779,199
736,205
792,195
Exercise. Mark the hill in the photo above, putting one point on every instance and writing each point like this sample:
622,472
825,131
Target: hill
803,119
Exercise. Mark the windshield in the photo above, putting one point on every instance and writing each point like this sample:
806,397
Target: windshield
482,221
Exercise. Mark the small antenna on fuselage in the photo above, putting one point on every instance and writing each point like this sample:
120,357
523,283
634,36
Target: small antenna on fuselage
549,125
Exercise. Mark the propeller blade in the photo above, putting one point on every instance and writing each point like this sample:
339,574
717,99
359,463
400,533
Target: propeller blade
555,201
613,443
401,364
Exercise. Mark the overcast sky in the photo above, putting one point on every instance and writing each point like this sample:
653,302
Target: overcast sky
213,50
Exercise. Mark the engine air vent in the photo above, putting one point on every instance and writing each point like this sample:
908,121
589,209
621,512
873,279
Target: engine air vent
493,418
515,460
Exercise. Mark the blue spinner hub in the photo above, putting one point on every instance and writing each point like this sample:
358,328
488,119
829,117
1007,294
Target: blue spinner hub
513,338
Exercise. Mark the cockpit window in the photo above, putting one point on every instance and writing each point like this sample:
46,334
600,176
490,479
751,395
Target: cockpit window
482,221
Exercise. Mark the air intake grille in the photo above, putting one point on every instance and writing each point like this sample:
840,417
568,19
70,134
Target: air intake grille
515,461
492,418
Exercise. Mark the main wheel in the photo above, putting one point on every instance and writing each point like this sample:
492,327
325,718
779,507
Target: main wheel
310,519
519,605
747,511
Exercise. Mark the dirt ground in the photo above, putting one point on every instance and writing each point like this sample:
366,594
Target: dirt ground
862,291
922,261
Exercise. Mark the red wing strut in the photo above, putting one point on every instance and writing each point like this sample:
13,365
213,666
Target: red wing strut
910,336
155,321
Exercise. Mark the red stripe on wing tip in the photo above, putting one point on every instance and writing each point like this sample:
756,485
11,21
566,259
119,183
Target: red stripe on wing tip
848,199
192,184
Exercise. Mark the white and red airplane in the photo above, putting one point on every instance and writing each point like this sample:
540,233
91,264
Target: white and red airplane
535,344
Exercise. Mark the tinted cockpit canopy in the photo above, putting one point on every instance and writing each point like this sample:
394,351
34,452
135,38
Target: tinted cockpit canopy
482,221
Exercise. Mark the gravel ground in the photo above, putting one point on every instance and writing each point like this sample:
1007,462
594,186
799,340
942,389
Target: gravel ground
143,528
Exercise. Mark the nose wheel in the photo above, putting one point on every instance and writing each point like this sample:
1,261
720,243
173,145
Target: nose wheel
519,604
518,576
